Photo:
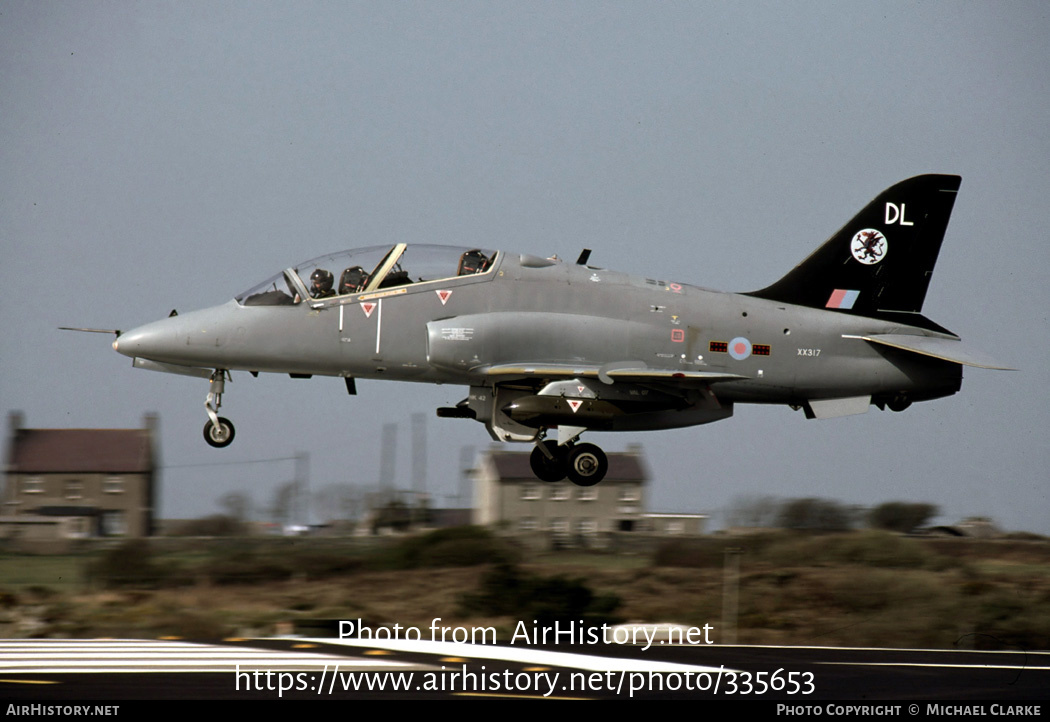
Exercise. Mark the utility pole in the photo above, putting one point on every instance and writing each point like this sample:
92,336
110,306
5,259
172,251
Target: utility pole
301,512
730,594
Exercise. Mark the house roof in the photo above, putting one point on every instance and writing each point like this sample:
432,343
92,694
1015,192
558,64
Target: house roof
514,465
81,451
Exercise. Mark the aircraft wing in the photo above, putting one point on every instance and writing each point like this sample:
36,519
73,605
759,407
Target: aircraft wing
946,349
625,372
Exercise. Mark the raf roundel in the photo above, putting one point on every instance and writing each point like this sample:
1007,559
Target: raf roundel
740,348
869,246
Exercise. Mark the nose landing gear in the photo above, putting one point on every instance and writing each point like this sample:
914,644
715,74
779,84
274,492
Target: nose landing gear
219,431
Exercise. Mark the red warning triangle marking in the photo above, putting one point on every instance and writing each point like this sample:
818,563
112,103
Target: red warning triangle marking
580,388
574,404
443,295
368,307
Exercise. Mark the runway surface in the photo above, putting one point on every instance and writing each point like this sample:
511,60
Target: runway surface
330,669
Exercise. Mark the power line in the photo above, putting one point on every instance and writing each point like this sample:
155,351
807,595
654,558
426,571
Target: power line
229,463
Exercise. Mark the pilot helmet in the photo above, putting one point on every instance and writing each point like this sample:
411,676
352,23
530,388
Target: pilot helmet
321,280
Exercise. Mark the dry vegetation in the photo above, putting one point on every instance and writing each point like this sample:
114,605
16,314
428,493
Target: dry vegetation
854,589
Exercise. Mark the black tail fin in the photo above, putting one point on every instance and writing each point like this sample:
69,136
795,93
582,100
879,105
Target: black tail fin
882,260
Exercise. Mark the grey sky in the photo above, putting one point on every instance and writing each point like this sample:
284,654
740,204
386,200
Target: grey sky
161,155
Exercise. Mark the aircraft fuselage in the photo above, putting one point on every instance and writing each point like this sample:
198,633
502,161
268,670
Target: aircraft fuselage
543,344
535,314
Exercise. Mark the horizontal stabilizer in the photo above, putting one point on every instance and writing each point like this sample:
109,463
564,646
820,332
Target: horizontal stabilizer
945,349
834,408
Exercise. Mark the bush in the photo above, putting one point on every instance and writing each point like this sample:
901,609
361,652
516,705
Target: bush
215,525
254,566
128,565
247,568
508,591
815,515
697,553
901,516
878,549
460,546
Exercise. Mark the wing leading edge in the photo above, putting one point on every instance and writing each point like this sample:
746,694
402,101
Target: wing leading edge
610,373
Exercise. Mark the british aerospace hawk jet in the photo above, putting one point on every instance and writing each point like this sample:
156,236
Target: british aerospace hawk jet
549,350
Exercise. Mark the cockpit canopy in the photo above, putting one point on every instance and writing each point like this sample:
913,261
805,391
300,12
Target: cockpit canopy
365,270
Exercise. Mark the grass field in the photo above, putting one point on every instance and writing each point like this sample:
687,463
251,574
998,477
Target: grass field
853,589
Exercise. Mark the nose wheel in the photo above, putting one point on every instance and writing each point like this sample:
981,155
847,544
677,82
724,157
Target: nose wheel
219,431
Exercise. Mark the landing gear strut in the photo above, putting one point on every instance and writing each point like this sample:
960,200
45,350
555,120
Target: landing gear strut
219,431
584,464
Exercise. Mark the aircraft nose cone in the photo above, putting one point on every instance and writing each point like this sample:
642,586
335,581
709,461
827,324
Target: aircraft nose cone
149,341
198,338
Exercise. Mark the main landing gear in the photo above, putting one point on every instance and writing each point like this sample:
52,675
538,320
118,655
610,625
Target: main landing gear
219,431
584,464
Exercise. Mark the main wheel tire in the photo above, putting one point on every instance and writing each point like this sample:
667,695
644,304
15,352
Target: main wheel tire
587,465
219,436
548,469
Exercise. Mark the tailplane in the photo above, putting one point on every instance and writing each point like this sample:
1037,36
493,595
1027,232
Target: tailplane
880,263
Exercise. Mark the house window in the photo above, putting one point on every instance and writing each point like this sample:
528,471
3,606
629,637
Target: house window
676,526
113,485
530,492
560,525
588,493
527,523
587,526
74,489
33,485
559,493
114,523
78,528
629,493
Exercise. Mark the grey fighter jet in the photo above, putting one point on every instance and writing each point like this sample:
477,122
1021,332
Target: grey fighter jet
547,346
